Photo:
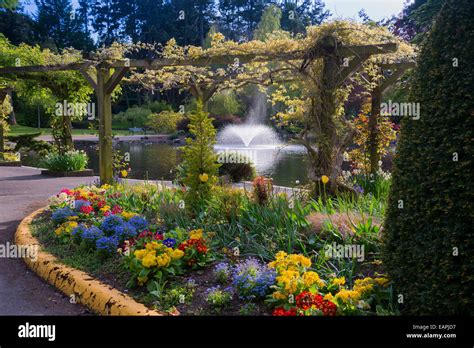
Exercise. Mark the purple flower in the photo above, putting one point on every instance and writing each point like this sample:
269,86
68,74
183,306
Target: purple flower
252,279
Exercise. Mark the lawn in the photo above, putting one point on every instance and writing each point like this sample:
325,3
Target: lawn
21,130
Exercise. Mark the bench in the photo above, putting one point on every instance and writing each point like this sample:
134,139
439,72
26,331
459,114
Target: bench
136,130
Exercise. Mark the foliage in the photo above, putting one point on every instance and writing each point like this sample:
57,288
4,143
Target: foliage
269,22
428,234
135,116
164,122
70,161
242,170
224,103
386,133
300,291
199,160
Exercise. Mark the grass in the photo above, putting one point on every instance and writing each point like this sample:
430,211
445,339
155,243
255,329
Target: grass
22,130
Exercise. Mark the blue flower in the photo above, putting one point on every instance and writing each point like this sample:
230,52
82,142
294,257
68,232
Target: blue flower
110,223
107,244
78,231
81,203
61,215
124,231
138,222
223,272
253,279
92,234
169,242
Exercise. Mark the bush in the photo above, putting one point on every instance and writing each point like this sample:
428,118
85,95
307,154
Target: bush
165,122
199,160
134,116
68,162
429,241
238,171
224,103
159,106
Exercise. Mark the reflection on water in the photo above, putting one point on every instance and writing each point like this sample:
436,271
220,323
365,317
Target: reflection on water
157,161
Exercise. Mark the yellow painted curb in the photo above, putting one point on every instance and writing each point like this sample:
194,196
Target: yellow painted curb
97,296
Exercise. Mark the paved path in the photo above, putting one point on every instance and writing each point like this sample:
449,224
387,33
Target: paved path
22,191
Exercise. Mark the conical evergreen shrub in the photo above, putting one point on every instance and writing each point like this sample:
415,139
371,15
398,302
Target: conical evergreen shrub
429,235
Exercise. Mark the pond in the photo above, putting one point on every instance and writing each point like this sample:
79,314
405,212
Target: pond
285,164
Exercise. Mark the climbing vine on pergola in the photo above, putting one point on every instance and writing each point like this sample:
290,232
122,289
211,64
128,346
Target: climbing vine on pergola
339,62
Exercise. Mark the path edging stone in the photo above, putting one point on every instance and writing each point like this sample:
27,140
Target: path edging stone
100,298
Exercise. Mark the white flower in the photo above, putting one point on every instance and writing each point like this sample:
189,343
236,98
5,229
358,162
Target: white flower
363,305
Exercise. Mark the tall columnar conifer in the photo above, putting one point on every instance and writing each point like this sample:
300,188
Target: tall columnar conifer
428,236
199,160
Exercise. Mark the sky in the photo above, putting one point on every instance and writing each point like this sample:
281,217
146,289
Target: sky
376,9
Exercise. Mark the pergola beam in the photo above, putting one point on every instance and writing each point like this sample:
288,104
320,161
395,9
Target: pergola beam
115,79
45,68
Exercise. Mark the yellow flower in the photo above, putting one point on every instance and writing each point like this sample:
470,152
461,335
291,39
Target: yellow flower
382,281
72,218
339,281
278,295
346,295
128,215
105,208
124,173
105,187
203,177
328,297
152,246
195,234
310,278
324,179
149,260
139,254
177,254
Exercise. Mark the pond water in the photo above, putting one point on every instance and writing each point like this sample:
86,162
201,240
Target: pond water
285,164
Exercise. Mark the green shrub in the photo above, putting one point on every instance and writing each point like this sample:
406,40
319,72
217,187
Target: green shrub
68,162
134,116
429,241
164,122
245,170
224,103
159,106
199,160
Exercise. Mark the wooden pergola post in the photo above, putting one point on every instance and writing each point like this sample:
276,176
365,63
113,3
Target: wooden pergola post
4,92
397,70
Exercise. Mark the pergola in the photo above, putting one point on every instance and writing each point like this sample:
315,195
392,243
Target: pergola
107,76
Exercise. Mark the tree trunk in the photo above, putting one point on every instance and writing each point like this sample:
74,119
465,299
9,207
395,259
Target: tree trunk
373,130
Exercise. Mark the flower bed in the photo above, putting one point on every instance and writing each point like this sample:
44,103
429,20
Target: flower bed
141,240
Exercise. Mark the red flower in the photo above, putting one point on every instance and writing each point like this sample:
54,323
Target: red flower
101,204
281,312
116,210
66,191
304,300
87,209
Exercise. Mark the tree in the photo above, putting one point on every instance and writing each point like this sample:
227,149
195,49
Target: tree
199,160
417,19
57,25
298,15
50,88
428,235
269,23
15,25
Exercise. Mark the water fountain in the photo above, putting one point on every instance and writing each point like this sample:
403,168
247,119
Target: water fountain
254,140
253,132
